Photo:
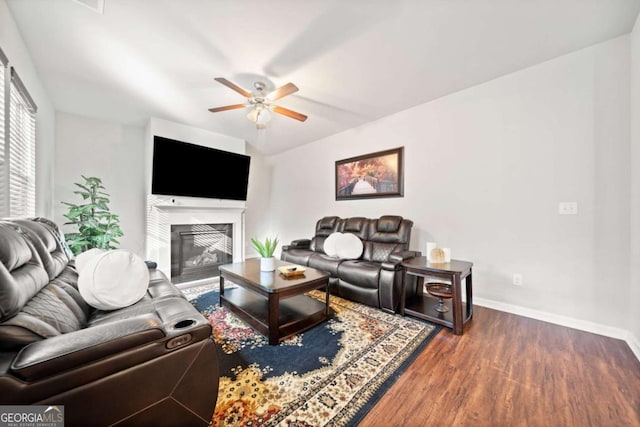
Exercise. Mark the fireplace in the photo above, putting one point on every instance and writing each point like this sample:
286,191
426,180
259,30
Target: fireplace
197,250
208,222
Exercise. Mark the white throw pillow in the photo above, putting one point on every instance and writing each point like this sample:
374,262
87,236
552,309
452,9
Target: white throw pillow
113,279
343,246
83,258
331,244
349,246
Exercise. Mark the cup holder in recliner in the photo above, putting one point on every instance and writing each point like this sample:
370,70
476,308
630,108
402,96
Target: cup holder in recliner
184,324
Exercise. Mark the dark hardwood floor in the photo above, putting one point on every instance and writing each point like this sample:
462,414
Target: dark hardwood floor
508,370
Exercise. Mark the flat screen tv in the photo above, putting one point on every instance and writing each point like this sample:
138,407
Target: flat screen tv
184,169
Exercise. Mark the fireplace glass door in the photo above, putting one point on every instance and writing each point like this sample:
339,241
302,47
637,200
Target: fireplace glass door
197,250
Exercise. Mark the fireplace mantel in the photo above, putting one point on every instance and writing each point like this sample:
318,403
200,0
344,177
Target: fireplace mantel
164,211
167,202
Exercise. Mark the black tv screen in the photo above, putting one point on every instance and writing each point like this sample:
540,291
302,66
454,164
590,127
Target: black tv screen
184,169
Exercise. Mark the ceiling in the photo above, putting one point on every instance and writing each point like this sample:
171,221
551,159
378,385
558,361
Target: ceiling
354,61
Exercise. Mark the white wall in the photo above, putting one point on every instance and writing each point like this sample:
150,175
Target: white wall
634,300
13,46
485,170
257,222
115,154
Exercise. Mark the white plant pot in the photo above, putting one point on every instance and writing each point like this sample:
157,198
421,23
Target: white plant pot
268,264
267,278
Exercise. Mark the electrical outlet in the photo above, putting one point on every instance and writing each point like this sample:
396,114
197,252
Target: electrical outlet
568,208
517,279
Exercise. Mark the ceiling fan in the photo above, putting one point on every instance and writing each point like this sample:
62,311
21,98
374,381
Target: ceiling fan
261,103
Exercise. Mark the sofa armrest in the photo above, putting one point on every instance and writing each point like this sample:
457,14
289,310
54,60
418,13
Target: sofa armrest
402,256
396,258
56,354
298,244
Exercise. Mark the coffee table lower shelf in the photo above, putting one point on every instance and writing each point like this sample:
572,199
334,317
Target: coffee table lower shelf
423,307
295,314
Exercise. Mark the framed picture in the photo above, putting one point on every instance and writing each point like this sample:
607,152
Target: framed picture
371,175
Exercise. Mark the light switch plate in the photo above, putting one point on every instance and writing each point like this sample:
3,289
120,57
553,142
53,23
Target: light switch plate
568,208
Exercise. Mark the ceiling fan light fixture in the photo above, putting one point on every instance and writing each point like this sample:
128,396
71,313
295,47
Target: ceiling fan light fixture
260,116
253,115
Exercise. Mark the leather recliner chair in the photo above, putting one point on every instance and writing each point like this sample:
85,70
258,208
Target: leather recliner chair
376,277
152,363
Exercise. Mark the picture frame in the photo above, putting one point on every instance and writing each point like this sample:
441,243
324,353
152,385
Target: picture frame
373,175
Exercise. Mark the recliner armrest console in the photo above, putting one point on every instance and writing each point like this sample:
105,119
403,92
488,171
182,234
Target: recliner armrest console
404,255
56,354
396,258
390,266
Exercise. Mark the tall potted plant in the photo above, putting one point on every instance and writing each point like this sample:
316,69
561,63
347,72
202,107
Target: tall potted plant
97,226
266,250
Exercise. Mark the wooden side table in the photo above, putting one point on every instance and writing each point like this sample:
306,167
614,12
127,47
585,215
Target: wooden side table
423,306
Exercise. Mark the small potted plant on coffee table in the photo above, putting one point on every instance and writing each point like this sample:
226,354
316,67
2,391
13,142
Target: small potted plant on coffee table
266,250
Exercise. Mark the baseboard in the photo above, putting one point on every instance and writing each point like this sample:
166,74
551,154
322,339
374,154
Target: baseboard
570,322
634,343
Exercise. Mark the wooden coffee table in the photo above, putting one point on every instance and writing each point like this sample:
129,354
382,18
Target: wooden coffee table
274,305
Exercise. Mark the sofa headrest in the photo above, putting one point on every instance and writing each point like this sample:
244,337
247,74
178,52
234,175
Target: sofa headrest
324,227
40,231
14,250
355,224
57,234
22,274
46,243
389,223
391,229
327,223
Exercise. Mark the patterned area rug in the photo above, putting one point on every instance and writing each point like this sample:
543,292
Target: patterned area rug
330,375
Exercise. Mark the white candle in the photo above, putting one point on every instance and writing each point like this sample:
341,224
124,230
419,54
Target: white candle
430,246
447,254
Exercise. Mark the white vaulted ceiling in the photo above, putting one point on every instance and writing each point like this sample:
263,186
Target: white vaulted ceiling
354,61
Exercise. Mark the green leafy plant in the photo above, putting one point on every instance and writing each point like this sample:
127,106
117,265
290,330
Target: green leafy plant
97,226
266,248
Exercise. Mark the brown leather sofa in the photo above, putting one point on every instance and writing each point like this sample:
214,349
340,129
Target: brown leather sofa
152,363
375,278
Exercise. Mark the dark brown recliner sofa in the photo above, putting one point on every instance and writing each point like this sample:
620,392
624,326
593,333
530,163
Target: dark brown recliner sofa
375,278
152,363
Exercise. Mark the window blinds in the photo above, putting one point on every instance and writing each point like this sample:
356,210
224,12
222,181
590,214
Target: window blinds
21,153
4,189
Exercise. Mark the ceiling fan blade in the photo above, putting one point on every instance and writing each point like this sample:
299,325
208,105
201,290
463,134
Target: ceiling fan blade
289,113
227,107
233,86
282,91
